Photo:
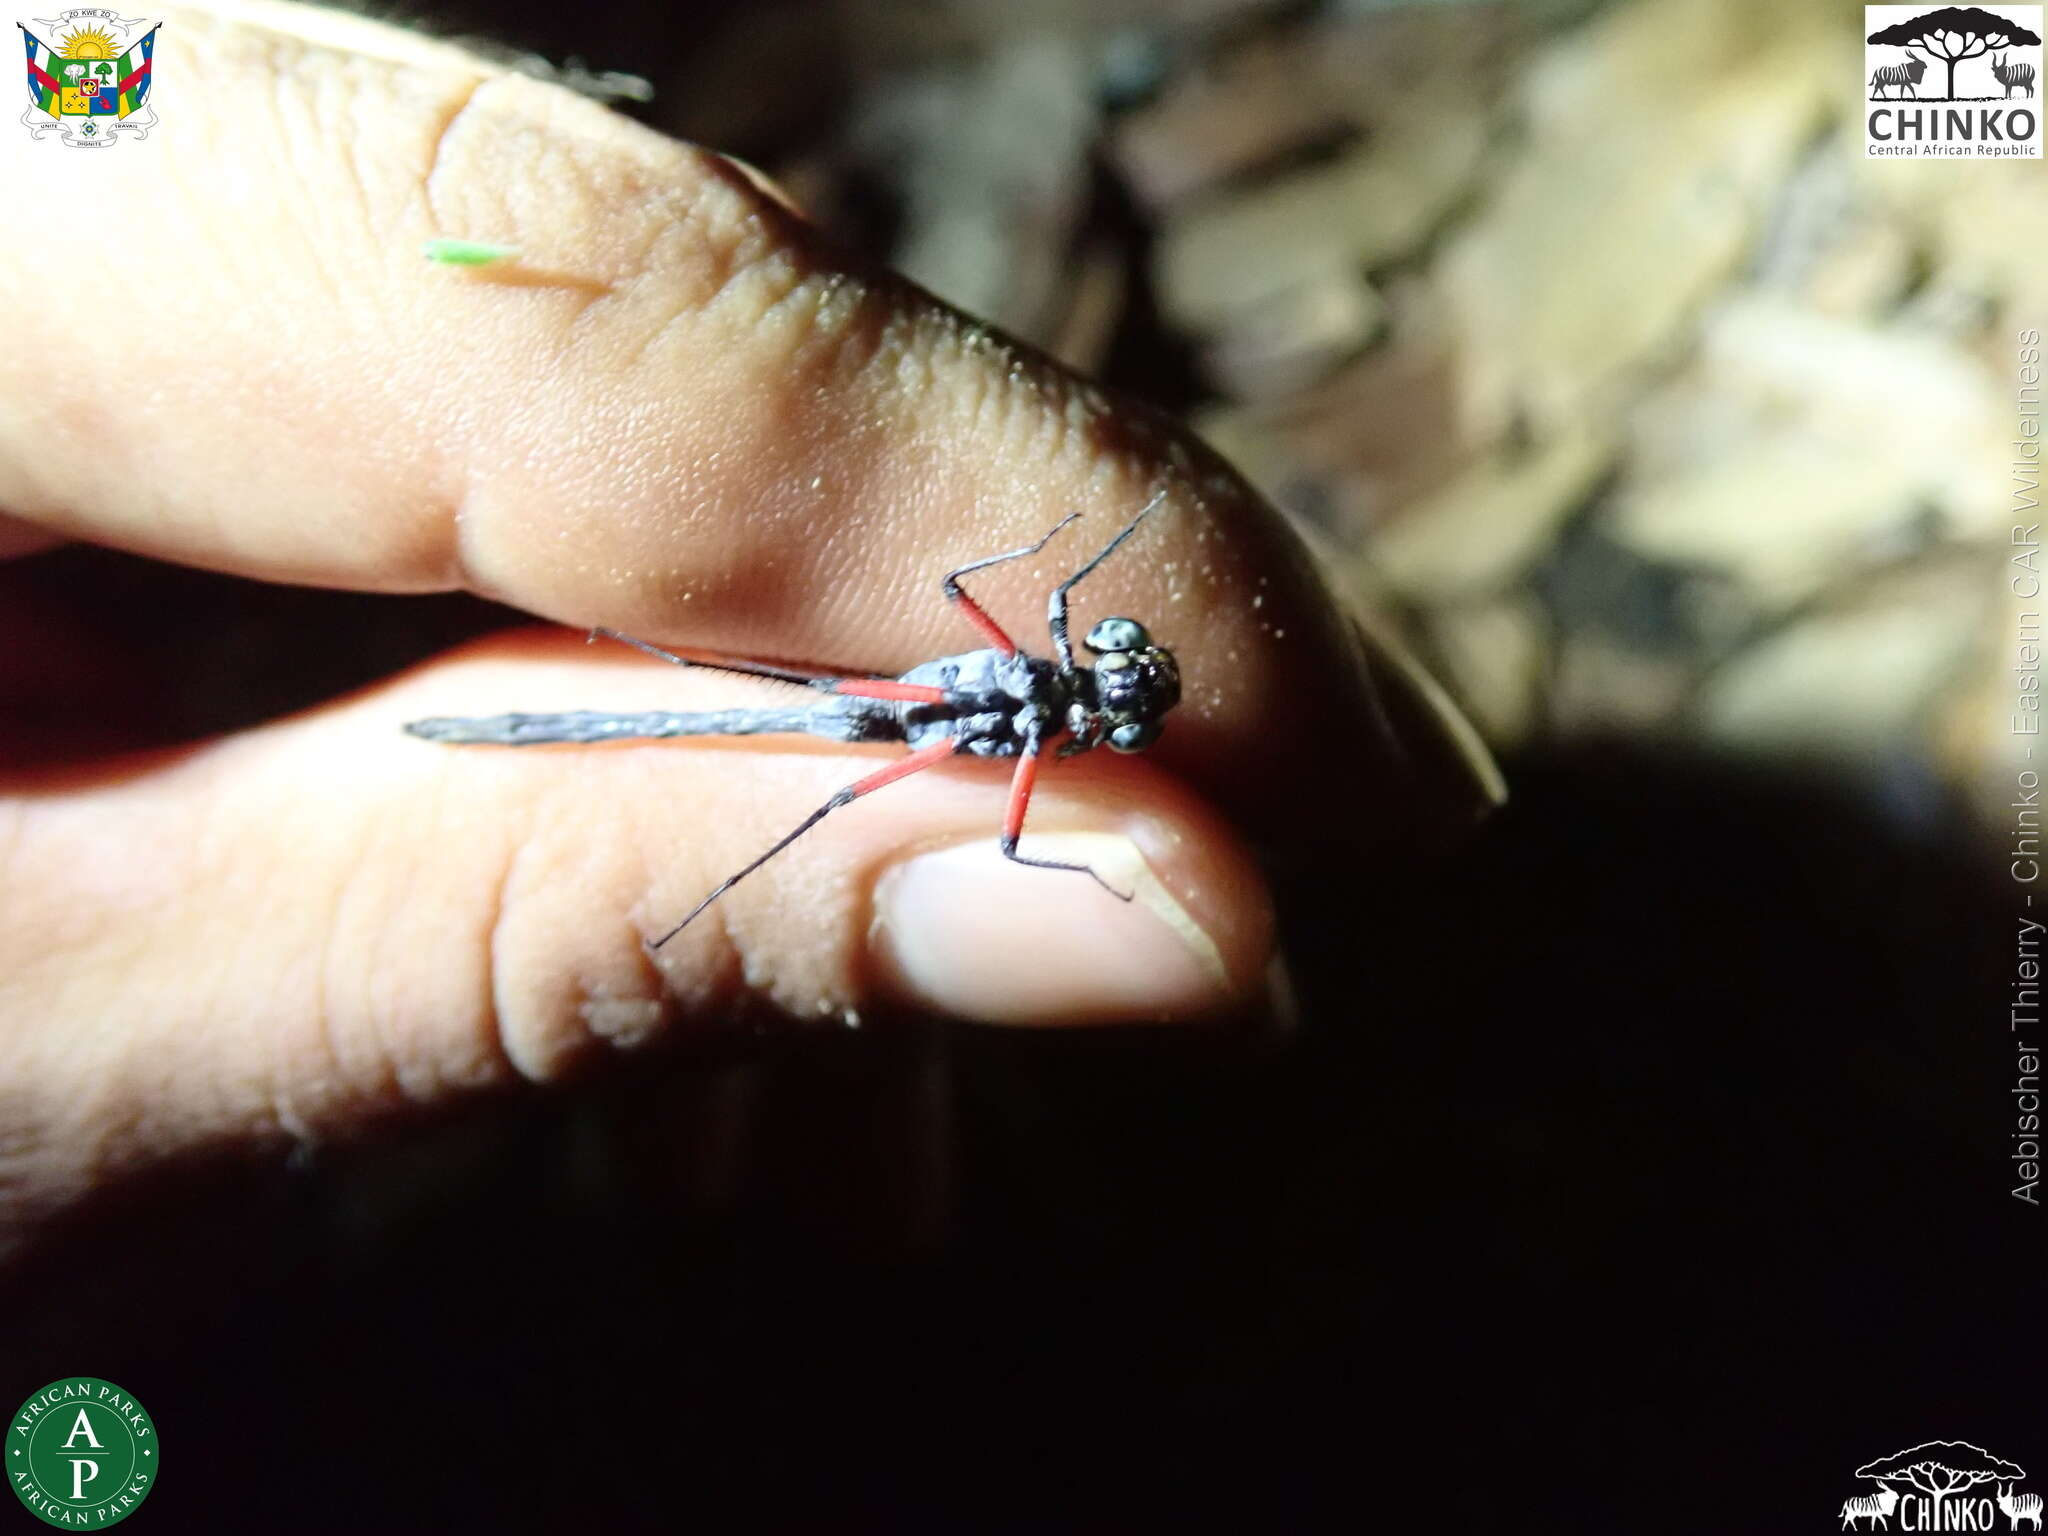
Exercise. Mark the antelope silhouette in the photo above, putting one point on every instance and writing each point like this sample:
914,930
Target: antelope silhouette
2019,1506
1900,77
1875,1507
2013,75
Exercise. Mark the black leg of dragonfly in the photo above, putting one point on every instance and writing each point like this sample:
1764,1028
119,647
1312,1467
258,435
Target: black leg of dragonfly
1021,783
976,614
1056,612
937,752
739,666
858,686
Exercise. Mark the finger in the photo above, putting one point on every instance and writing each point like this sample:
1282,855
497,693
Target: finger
292,932
675,413
23,538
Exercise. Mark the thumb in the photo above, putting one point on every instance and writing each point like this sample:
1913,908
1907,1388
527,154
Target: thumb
321,922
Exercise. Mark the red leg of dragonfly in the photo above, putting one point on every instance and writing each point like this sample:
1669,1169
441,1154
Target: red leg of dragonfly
923,758
975,613
1021,783
902,768
978,617
882,688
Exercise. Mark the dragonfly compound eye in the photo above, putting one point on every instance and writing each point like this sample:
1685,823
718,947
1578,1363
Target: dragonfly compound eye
1136,688
1136,736
1116,635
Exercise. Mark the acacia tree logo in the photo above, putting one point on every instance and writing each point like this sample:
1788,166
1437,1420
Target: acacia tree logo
1939,1469
1952,34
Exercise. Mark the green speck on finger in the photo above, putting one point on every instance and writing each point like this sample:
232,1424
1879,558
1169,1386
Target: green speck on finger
466,253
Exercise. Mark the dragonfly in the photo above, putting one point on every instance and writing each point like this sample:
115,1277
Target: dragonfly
999,701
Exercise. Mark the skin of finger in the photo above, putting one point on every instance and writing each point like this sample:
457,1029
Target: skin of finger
678,414
24,538
322,921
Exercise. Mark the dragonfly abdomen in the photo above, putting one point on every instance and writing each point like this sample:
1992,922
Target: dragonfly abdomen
836,720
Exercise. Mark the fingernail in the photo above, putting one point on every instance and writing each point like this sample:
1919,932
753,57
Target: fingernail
1441,746
969,933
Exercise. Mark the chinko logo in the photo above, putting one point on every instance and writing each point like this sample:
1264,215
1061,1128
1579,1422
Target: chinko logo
81,1452
1934,1487
1953,83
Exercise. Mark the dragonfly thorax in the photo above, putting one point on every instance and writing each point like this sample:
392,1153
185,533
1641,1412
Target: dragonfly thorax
995,702
998,701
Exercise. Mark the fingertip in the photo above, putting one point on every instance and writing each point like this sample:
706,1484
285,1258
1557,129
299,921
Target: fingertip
1176,926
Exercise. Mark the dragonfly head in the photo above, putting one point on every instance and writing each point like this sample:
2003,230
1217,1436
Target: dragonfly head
1136,683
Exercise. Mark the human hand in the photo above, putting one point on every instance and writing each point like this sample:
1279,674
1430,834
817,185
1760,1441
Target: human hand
677,415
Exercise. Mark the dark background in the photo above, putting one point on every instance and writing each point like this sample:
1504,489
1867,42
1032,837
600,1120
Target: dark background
1639,1167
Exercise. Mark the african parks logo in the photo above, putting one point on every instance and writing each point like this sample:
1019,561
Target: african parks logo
81,1453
